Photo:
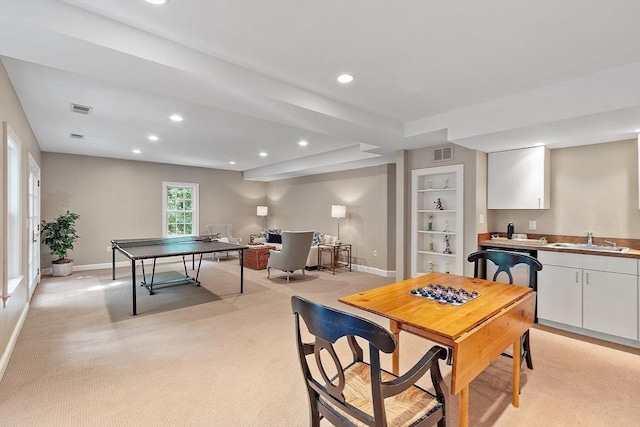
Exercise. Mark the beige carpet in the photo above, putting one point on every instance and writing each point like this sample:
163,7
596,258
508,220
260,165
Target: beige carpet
211,357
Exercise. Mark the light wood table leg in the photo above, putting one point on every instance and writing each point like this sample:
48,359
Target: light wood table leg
463,410
395,357
517,358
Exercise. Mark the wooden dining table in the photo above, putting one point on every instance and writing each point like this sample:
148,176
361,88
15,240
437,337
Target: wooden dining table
478,331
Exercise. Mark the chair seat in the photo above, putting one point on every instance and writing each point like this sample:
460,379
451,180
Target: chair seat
403,409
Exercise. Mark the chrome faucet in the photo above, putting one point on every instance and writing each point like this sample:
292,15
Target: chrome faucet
613,244
589,237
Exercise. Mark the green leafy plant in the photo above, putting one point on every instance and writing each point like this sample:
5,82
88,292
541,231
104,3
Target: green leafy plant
60,235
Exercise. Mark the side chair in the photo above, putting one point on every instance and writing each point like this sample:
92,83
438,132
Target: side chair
361,393
505,261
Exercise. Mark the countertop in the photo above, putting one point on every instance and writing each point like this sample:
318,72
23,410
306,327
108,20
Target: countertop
533,244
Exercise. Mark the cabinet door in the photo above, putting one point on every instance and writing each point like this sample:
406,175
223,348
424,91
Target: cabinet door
518,179
611,303
560,295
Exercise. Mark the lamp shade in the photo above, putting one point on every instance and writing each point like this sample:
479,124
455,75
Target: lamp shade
262,210
338,211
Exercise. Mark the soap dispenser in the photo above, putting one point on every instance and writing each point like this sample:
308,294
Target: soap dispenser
510,231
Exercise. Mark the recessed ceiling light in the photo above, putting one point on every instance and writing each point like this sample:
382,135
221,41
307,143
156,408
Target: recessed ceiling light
176,118
303,143
232,162
263,154
136,151
153,138
157,1
345,78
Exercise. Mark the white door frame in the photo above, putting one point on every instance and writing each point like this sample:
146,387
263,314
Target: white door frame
34,225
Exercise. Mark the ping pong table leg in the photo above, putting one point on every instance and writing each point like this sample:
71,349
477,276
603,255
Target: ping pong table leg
241,270
198,272
133,285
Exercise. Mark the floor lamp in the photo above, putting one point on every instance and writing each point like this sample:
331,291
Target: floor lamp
263,211
338,211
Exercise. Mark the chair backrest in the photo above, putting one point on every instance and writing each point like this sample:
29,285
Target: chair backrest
328,325
219,230
295,248
505,261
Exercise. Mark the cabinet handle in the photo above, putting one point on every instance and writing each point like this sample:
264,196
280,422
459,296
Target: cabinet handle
576,277
587,278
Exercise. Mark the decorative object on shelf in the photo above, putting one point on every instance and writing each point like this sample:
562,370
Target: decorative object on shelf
430,247
429,185
429,222
438,204
60,235
262,211
431,265
446,227
447,248
338,211
446,183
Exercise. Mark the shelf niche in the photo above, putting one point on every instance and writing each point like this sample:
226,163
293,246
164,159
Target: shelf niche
437,196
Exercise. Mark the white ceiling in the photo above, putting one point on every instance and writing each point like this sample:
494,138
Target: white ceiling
251,76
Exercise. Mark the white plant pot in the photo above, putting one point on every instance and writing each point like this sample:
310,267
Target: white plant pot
61,270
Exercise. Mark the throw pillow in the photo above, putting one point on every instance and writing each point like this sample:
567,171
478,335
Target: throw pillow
274,238
317,238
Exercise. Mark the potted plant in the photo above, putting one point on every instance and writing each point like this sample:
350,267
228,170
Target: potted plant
60,235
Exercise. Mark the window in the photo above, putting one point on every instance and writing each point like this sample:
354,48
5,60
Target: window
13,230
180,209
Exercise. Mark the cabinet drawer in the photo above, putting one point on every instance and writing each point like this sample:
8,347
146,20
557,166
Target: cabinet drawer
592,262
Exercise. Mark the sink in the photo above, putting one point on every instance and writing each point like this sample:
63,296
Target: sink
587,247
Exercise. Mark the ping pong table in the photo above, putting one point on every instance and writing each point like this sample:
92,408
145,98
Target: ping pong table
154,248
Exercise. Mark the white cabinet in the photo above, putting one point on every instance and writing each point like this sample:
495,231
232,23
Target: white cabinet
437,220
595,293
560,295
519,179
610,303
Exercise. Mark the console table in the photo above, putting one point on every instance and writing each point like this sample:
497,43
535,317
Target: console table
335,250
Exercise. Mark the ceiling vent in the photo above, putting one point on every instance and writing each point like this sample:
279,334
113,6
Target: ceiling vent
76,136
81,109
441,154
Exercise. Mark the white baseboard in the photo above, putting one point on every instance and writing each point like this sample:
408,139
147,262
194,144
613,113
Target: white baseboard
4,361
372,270
356,267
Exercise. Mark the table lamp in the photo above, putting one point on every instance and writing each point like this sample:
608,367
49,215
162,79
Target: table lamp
262,211
338,211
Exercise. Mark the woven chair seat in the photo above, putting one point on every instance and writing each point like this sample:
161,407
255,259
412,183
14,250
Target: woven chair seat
403,409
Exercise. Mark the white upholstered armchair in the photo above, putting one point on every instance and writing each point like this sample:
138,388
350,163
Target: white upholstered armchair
221,232
293,256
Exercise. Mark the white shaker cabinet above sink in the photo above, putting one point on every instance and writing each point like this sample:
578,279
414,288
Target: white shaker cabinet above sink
519,179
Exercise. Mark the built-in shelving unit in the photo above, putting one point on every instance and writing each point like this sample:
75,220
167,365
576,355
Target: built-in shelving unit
437,217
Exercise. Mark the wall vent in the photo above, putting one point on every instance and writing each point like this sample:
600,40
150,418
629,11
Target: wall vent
76,136
441,154
81,109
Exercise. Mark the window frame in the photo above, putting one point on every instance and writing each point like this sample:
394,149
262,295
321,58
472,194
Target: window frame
195,204
12,212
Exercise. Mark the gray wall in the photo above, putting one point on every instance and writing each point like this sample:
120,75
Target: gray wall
11,112
369,195
593,187
122,199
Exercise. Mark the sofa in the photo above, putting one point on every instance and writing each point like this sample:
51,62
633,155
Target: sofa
272,238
